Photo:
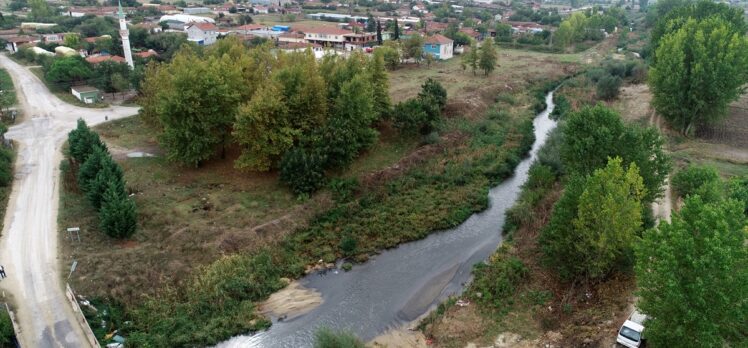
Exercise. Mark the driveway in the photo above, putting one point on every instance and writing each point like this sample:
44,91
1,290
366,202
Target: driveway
28,246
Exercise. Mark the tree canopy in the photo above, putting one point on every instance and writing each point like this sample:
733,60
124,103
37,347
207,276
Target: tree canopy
699,70
693,276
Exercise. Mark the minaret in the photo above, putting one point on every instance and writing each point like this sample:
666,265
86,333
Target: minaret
125,37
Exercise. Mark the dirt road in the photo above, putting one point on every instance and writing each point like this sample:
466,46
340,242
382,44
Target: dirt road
28,247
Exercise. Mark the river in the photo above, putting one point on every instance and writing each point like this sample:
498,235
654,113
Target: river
400,284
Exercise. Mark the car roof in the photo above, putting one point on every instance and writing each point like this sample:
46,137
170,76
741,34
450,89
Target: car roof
634,326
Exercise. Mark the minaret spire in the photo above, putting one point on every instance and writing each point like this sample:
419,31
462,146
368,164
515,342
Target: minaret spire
125,34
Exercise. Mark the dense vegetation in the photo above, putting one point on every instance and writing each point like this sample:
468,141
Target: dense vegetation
102,180
442,191
326,338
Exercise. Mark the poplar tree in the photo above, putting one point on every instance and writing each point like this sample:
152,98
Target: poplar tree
380,84
488,57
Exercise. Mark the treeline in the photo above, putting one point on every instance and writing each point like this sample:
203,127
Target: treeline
700,62
102,181
285,111
590,25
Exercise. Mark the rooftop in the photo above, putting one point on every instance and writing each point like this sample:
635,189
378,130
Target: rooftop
104,58
437,39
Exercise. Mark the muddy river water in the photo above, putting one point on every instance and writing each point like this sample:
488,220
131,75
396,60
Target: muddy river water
401,284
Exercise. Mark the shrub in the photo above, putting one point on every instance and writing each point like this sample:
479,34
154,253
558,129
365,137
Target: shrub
348,244
687,181
607,87
498,280
562,107
343,189
550,153
6,330
326,338
416,116
302,171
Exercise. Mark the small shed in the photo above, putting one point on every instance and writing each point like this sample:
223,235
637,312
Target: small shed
86,94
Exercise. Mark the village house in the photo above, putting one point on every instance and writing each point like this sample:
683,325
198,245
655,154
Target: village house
86,94
291,37
257,9
439,46
54,38
203,34
525,27
355,41
327,36
100,58
247,29
14,43
152,28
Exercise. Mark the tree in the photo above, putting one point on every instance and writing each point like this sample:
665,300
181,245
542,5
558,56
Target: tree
487,57
379,33
82,142
470,58
503,32
413,116
65,71
371,25
72,40
348,129
380,85
595,222
263,129
302,171
40,10
197,106
688,180
692,276
396,32
593,134
413,47
434,92
607,87
91,167
699,70
304,91
117,217
390,53
110,173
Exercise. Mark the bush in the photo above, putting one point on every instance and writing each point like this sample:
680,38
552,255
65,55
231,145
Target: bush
349,245
302,171
416,116
562,107
498,280
326,338
6,330
607,87
688,181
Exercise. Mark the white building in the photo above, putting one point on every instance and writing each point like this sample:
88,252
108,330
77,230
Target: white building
203,34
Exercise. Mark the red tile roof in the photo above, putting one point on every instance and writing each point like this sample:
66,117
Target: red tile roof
249,27
328,31
204,26
438,39
146,54
99,59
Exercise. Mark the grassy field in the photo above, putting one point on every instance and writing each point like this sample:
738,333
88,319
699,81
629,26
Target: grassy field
215,218
8,98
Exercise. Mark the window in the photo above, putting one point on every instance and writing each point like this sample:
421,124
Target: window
433,46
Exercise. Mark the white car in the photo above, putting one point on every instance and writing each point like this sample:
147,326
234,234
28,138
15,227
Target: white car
630,334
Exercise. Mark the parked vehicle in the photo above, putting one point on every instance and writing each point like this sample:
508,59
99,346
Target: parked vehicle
632,330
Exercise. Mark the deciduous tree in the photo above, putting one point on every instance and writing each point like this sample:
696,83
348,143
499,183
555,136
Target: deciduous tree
488,57
699,70
692,276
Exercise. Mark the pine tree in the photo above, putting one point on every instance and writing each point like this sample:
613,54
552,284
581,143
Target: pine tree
81,142
487,57
91,167
117,217
110,173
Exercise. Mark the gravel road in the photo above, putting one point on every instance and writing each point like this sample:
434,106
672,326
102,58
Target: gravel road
28,247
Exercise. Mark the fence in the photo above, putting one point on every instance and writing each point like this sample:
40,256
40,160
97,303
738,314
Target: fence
81,318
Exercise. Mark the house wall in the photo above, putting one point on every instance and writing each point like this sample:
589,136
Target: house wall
196,34
433,49
446,51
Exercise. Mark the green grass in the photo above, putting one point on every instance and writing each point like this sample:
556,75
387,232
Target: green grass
64,94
